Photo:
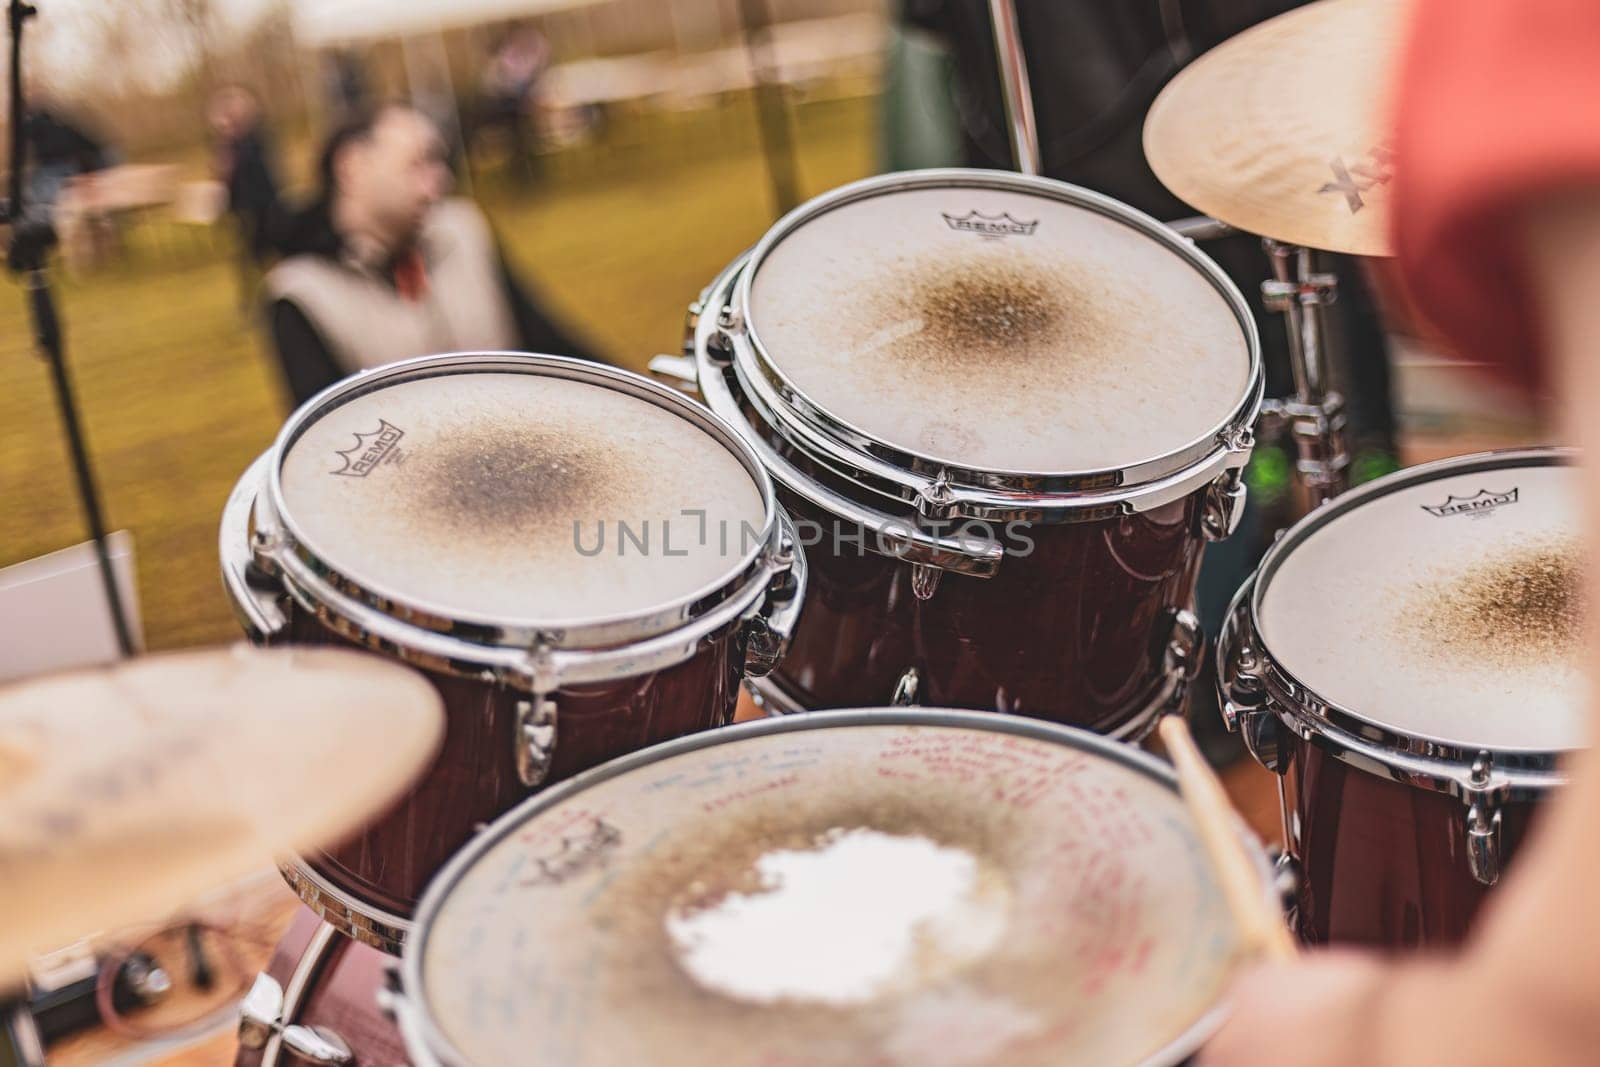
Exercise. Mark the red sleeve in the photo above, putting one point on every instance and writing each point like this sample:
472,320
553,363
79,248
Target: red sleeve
1499,102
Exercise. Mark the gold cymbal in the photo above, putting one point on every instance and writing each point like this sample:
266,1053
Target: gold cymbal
127,791
1282,130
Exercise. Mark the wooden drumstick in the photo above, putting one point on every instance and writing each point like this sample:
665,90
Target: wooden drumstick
1260,924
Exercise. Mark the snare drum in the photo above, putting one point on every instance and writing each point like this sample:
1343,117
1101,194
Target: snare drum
1006,414
872,886
1407,658
582,561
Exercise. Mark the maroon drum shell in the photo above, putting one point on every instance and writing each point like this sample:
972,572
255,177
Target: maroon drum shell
342,997
474,777
1380,862
1073,632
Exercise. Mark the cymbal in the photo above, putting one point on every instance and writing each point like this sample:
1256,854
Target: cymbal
1282,130
127,791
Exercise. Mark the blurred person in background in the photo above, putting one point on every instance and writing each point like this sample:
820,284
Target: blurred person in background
509,82
345,83
245,164
384,266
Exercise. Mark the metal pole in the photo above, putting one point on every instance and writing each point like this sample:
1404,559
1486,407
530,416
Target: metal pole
1014,88
777,142
1316,415
30,239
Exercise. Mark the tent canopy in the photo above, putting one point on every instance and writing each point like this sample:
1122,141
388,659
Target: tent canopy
320,23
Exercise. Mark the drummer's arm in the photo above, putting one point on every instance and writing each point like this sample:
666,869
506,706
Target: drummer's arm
1543,929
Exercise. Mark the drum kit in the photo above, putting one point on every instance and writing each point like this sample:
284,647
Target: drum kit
962,438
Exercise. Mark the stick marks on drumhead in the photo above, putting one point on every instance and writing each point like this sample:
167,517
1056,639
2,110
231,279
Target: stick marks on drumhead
506,479
1512,610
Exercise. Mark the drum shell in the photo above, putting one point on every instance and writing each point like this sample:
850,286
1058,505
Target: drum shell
474,777
342,998
1381,862
1072,630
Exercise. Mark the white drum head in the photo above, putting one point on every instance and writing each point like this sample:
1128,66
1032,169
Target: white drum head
1000,330
843,894
516,496
1447,609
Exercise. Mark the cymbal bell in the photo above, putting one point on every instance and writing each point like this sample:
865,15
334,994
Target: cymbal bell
1281,131
129,790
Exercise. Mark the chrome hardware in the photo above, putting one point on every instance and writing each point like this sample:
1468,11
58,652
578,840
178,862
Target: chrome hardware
925,580
1316,413
1483,821
1185,643
257,600
1246,706
769,631
347,916
19,1035
1201,228
266,1012
905,690
1015,92
1285,876
1224,502
536,739
676,371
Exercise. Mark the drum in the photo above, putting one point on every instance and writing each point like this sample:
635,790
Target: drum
888,886
583,562
319,1002
1006,414
1407,659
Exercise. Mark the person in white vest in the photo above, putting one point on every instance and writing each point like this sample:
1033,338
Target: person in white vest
385,266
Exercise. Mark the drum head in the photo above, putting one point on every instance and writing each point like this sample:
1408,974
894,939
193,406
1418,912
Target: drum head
837,888
514,497
1001,330
1445,607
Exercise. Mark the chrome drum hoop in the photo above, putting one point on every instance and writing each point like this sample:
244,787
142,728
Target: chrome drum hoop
263,564
945,489
349,916
1252,682
430,1048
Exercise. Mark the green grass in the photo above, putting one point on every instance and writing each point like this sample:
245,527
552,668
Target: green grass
178,393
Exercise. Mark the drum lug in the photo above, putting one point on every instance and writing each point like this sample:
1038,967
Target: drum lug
536,739
1223,506
1483,822
261,1017
905,690
1185,645
925,580
1246,706
768,633
1285,876
248,545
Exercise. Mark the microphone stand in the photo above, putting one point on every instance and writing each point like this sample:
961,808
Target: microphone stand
31,238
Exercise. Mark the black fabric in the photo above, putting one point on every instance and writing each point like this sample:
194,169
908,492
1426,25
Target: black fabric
53,141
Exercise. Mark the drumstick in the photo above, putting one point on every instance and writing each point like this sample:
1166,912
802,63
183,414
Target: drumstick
1260,924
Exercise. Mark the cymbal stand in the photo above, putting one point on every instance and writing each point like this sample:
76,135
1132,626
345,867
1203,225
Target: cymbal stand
1015,90
1315,415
